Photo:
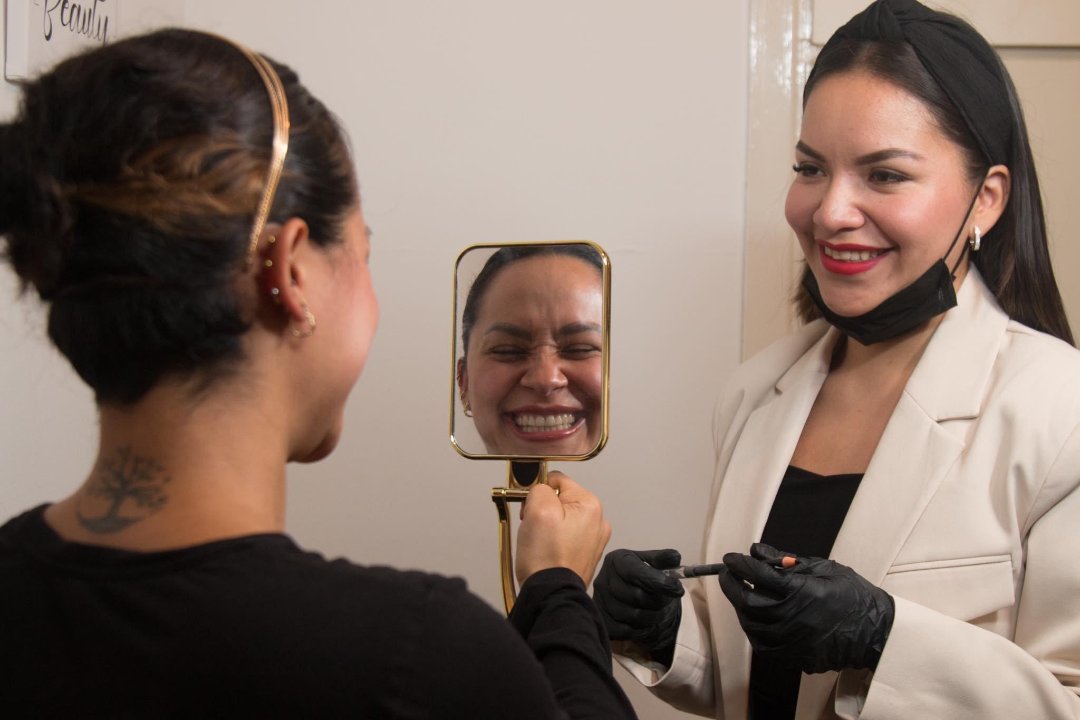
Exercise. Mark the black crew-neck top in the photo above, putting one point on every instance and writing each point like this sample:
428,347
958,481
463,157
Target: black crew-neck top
805,519
257,627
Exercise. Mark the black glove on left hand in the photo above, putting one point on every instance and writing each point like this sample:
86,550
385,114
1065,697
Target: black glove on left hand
638,601
818,615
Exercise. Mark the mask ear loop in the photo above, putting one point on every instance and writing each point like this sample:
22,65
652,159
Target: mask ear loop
960,233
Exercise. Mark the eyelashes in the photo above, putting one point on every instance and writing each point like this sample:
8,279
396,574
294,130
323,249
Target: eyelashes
877,176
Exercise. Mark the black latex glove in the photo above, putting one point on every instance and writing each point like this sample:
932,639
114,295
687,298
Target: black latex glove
815,616
638,602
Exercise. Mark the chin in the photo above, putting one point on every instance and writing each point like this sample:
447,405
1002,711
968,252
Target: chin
322,449
847,305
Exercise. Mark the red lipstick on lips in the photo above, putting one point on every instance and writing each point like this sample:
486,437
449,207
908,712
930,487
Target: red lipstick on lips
843,267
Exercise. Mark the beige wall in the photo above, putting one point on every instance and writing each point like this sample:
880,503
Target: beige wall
619,121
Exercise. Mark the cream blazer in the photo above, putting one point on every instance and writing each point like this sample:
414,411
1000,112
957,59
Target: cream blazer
968,514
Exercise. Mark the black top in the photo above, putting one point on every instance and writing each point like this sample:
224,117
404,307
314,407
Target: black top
805,519
257,627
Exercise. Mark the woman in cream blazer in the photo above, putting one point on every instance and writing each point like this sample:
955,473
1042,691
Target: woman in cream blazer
944,406
968,515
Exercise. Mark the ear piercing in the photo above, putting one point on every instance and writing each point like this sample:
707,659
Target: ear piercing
309,317
976,239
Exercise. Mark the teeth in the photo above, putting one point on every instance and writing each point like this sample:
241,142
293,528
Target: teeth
544,423
851,255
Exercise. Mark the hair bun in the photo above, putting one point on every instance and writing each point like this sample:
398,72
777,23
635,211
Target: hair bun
35,216
12,176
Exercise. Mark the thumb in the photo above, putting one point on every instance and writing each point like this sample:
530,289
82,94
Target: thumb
540,498
660,559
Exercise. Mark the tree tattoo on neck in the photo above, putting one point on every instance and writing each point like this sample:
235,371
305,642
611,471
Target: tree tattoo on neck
126,480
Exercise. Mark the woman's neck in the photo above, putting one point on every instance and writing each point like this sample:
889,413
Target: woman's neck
894,357
172,472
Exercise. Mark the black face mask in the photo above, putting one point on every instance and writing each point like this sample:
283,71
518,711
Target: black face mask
930,295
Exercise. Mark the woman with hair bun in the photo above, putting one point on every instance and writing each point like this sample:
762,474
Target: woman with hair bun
904,470
189,214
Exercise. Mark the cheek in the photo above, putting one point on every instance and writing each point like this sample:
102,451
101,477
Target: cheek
799,208
588,380
490,382
366,317
368,297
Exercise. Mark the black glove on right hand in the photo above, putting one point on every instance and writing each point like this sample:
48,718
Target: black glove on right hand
814,615
639,602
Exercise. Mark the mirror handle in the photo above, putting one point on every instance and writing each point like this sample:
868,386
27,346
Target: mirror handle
520,476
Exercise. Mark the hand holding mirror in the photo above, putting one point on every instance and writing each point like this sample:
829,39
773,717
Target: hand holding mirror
530,362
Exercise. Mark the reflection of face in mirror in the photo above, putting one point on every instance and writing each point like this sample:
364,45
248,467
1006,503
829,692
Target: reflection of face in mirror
532,371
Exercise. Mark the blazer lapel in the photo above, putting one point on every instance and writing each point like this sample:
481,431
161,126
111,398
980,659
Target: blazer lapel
920,445
756,467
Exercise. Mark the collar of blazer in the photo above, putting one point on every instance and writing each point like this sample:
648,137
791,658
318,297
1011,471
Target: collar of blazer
950,379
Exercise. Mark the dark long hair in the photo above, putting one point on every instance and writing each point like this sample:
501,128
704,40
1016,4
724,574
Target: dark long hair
129,180
1015,258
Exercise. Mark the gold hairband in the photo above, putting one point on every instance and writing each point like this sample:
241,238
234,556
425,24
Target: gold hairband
279,107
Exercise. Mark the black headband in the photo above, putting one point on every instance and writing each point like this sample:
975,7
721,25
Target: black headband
956,56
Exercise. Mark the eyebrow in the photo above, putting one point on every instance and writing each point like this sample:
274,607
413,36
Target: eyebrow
519,332
868,159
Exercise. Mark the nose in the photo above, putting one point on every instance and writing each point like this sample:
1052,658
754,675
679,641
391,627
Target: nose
544,373
838,209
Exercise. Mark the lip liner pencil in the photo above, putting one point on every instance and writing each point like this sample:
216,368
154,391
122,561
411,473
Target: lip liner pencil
692,571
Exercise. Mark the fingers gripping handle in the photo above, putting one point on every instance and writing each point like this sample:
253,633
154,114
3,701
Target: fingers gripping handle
520,477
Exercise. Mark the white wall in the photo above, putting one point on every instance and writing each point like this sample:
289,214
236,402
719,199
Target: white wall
619,121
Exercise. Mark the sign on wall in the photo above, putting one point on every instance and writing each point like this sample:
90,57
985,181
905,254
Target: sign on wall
42,32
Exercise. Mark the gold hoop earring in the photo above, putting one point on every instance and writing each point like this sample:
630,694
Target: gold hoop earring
310,318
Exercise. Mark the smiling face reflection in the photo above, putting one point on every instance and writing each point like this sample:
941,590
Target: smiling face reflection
532,374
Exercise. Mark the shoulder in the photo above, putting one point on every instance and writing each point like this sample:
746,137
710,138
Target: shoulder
342,581
1033,406
1022,358
769,364
753,381
397,632
1038,371
1024,346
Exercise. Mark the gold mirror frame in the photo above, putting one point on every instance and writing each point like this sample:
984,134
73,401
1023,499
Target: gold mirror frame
524,471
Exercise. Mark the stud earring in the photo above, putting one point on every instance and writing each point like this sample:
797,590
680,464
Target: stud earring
468,408
310,318
275,293
268,263
976,239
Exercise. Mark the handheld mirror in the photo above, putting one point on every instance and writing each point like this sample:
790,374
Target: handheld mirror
529,370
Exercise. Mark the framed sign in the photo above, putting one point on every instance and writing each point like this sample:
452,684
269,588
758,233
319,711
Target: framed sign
42,32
